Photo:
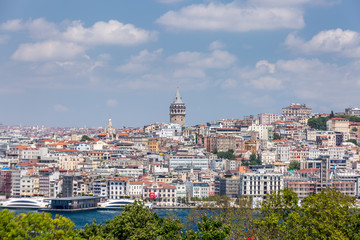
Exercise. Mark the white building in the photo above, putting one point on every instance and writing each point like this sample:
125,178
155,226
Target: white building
100,188
268,157
197,161
283,153
265,131
117,187
258,184
198,190
172,131
268,118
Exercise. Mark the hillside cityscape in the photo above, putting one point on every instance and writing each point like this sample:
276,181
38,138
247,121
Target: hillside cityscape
175,165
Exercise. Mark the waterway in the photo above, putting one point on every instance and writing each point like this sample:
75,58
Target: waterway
86,217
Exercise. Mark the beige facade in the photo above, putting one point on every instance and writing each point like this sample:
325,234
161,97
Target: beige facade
338,125
296,110
70,162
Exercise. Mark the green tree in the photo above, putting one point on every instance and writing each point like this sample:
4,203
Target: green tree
239,218
208,228
85,138
353,141
326,215
253,160
354,129
35,226
276,136
226,155
294,165
332,114
318,123
135,222
274,213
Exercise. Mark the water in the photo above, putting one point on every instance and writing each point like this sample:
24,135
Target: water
86,217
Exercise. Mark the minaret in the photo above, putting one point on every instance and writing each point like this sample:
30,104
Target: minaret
177,109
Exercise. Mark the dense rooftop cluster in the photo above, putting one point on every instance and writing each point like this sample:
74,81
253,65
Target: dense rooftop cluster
172,165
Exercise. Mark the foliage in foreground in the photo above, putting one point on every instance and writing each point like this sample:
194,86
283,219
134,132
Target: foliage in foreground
35,226
138,222
326,215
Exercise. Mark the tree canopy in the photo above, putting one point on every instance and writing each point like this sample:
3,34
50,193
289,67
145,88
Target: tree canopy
85,138
35,226
318,123
226,155
294,165
326,215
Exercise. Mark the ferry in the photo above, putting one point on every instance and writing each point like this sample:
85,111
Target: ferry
119,203
25,203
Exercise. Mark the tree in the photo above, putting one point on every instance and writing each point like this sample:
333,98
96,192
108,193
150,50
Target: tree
353,141
332,115
35,226
354,129
85,138
208,228
326,215
294,165
275,211
276,136
226,155
253,160
135,222
318,123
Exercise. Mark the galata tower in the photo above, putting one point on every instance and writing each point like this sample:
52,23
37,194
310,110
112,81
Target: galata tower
177,110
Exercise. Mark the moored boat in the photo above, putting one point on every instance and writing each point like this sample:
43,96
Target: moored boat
25,203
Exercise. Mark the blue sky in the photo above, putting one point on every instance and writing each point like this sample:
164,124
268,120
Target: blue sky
77,63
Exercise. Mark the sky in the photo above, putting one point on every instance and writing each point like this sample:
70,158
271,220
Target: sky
79,63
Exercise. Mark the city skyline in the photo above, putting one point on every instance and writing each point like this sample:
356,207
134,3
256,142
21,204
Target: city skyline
79,63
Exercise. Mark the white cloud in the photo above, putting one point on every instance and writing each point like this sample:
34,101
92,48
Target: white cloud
268,82
111,102
12,25
215,59
42,29
216,45
343,42
50,50
291,2
233,18
265,64
112,32
140,63
60,108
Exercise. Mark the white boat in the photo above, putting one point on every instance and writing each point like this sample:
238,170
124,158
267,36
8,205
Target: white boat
119,203
25,203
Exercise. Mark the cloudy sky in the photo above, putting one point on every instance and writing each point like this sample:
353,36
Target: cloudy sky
78,63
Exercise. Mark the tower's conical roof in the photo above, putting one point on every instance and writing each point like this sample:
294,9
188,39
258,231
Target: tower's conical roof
177,99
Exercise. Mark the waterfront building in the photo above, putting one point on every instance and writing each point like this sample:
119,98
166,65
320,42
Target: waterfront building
258,184
228,185
163,193
198,189
117,187
5,182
